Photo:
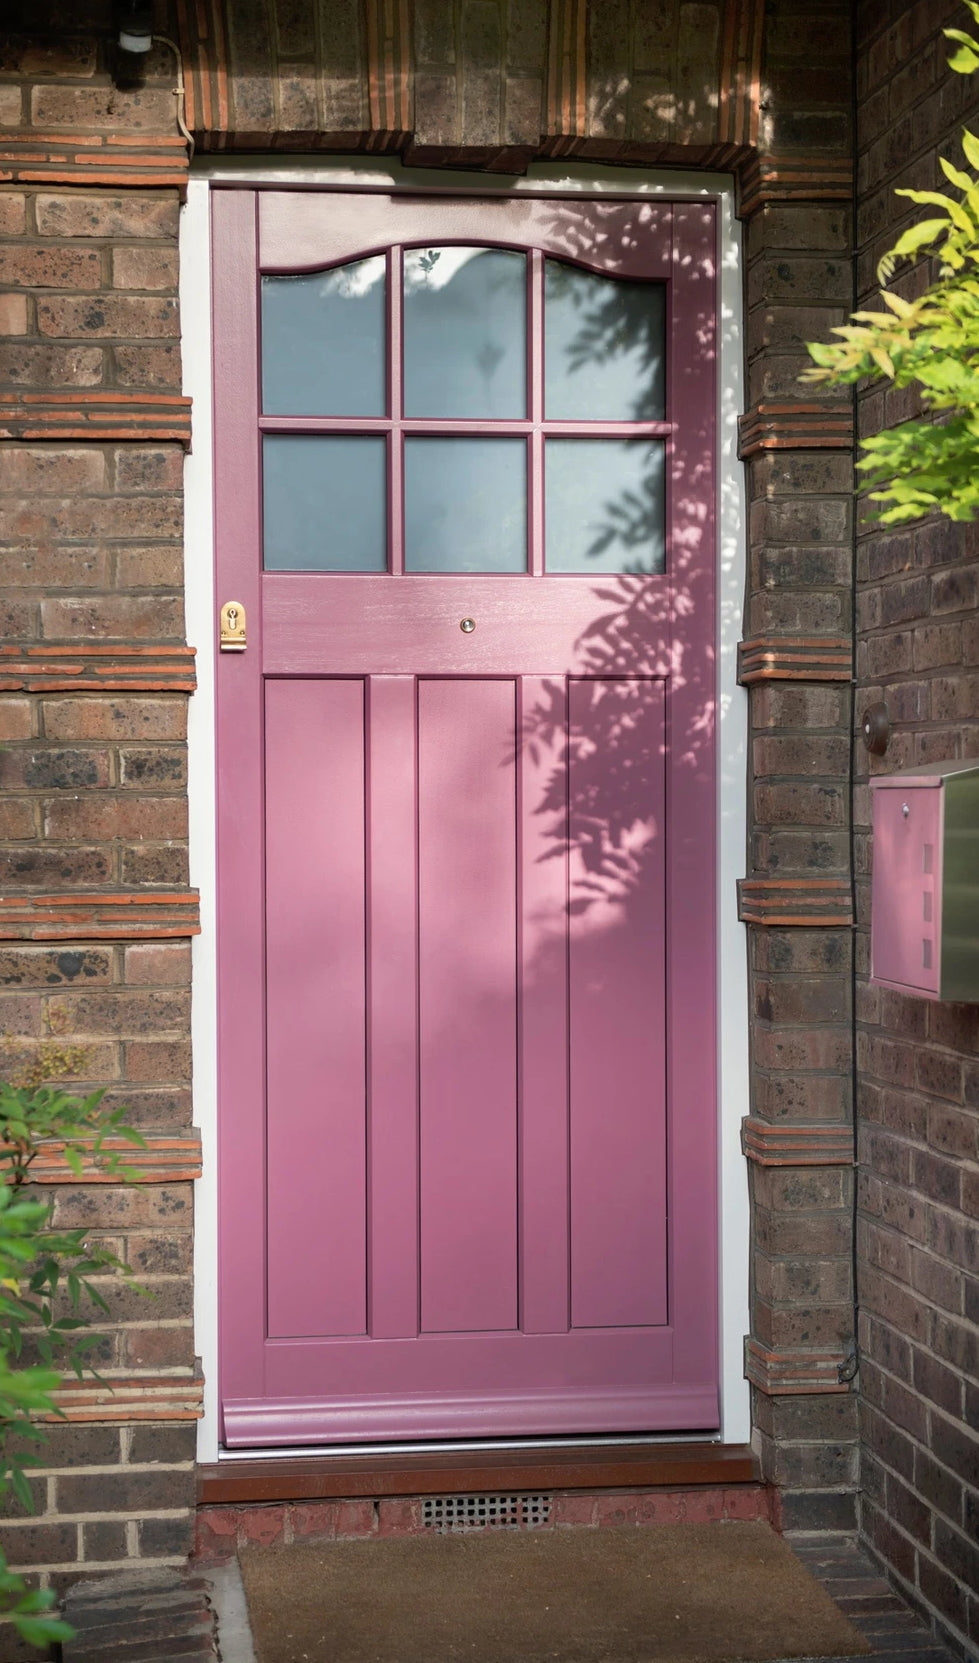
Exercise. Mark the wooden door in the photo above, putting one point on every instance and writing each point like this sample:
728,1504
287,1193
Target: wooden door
465,497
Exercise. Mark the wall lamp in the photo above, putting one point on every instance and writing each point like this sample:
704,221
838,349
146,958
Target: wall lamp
134,21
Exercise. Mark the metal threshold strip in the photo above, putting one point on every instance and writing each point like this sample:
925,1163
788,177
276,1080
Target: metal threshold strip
471,1446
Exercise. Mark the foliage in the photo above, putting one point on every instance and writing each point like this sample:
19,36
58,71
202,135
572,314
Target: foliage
931,343
47,1296
29,1114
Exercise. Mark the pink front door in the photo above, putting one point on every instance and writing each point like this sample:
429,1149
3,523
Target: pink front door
466,816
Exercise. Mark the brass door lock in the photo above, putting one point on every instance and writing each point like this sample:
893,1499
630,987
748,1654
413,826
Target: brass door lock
232,636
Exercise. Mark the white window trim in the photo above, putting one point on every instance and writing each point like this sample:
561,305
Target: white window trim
195,300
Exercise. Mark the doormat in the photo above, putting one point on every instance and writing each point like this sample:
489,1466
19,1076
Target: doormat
687,1593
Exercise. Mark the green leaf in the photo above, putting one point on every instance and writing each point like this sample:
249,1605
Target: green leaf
965,61
954,209
970,148
955,176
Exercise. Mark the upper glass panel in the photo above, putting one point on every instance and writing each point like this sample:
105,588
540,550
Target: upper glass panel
324,503
465,505
323,342
604,347
605,505
465,333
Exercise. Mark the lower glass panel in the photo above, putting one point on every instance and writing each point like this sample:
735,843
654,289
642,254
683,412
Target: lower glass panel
324,504
465,505
604,505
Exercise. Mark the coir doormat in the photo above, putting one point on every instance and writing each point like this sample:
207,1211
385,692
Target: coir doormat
688,1593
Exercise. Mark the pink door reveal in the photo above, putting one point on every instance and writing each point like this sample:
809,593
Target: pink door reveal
466,816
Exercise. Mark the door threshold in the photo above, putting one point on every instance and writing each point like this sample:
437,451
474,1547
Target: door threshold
410,1470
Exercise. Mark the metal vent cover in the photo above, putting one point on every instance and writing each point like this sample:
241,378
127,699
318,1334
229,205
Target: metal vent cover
475,1512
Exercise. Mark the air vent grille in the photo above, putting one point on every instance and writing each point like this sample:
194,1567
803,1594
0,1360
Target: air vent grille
458,1513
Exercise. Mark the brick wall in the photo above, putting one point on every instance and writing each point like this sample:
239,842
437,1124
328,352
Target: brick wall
917,651
94,678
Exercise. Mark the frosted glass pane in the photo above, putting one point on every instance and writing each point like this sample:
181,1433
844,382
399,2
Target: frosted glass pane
604,505
325,504
465,505
465,333
604,347
323,342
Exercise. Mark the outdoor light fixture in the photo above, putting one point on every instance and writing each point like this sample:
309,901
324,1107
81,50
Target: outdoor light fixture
134,20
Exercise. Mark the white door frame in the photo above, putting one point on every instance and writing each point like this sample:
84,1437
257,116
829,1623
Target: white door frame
368,173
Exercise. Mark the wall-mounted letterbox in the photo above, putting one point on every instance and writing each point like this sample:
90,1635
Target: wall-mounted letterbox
924,920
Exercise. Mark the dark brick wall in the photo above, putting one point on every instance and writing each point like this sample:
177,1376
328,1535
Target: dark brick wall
918,651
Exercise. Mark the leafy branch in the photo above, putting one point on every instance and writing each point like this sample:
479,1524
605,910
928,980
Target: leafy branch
931,343
48,1295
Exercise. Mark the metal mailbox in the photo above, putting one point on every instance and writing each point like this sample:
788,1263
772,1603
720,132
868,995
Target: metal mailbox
924,920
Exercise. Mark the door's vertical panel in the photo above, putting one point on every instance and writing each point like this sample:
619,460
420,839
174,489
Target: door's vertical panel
467,1003
544,1175
617,993
238,690
392,981
317,1275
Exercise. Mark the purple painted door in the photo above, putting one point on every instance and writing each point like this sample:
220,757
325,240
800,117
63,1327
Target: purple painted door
466,816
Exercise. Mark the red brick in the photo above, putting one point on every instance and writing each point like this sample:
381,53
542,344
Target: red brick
399,1518
154,267
13,314
16,718
617,1509
51,366
148,366
573,1509
90,214
154,567
217,1532
158,964
314,1518
104,109
87,518
123,718
100,315
159,1348
164,1059
53,469
113,817
50,568
140,469
262,1525
49,266
13,217
356,1518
